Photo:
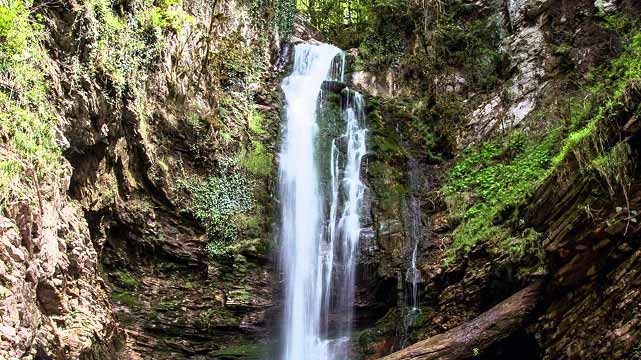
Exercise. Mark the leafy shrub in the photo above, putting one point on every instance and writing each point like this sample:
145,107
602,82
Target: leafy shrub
285,13
255,122
169,14
15,31
611,82
127,44
216,203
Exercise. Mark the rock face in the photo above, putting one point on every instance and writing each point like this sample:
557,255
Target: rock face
593,251
111,261
53,302
585,250
161,146
525,48
113,257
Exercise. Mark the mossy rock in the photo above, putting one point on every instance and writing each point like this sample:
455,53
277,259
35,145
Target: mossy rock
124,298
125,280
250,351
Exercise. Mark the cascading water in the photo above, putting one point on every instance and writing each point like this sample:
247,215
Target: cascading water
411,311
347,230
415,231
319,265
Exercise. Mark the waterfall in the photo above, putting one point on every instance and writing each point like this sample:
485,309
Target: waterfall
319,248
412,310
415,230
348,228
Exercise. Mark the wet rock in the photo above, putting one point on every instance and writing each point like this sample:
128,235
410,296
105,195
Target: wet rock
606,6
383,85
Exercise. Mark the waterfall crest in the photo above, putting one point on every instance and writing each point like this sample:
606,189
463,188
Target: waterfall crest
320,215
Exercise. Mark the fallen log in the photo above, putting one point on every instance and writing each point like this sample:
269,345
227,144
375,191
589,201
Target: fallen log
474,337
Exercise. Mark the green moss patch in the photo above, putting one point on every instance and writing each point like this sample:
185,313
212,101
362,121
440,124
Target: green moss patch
249,351
124,297
492,179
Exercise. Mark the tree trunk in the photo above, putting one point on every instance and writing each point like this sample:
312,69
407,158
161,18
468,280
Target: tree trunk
474,337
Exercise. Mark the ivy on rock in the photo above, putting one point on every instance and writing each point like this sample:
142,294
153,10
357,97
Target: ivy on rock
220,203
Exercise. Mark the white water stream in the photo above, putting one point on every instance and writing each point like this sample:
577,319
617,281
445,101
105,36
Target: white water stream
319,247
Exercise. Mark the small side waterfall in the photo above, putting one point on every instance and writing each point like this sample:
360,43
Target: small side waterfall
415,231
412,310
320,216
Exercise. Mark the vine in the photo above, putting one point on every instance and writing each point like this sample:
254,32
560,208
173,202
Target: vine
217,203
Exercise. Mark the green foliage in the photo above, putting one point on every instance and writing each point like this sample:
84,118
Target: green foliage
422,122
125,280
337,19
383,47
608,93
285,13
613,167
573,140
255,123
169,14
26,118
16,32
217,203
127,44
474,45
258,161
620,24
124,297
491,181
498,176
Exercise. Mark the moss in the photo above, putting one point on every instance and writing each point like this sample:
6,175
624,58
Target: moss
166,305
243,296
124,297
498,176
217,316
255,122
247,351
384,329
258,161
126,280
608,95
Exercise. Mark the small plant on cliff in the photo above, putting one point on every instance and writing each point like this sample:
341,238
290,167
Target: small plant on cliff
169,14
217,202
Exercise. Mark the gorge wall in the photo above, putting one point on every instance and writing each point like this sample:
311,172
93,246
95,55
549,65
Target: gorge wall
523,129
138,167
166,117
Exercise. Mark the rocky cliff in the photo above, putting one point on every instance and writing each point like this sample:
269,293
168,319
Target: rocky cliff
164,114
519,148
137,177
